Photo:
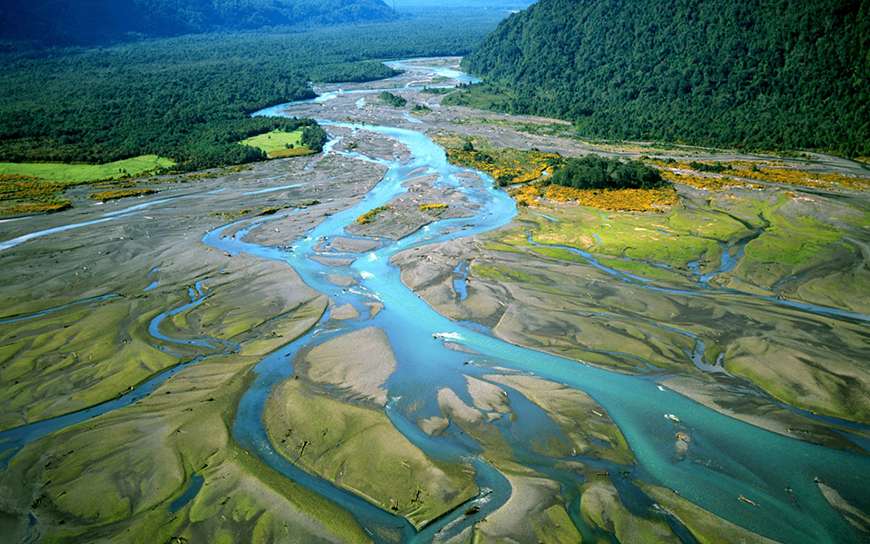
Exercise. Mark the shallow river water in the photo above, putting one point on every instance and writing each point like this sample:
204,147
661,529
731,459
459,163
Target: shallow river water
738,459
729,458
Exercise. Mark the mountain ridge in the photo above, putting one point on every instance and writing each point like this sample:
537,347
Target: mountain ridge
90,22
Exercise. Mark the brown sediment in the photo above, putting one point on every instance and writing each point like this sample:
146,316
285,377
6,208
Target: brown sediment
341,280
374,308
332,261
487,397
857,518
353,245
434,425
358,362
533,513
454,407
583,421
343,313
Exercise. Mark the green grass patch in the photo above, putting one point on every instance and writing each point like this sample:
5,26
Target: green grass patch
499,273
706,224
480,97
279,144
322,435
790,245
73,174
30,188
558,253
792,241
640,268
642,237
499,246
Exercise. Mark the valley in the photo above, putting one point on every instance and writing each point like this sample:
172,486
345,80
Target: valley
378,343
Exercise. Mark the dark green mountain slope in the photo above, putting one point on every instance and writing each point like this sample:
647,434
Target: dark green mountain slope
100,21
778,74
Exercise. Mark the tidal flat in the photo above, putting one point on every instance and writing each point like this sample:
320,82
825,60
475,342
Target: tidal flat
240,358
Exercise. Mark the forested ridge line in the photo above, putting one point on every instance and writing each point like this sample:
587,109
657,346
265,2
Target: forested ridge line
103,21
762,74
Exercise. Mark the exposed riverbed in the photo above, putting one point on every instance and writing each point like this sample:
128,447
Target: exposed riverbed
759,480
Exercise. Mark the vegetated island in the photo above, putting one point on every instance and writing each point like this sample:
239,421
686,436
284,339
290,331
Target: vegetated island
393,100
592,180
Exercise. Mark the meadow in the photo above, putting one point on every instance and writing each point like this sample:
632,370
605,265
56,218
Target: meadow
29,188
71,174
279,144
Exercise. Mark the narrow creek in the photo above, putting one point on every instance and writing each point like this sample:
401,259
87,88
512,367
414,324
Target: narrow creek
12,440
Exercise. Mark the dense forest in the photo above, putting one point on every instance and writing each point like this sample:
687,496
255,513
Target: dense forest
596,172
763,74
314,137
102,21
189,98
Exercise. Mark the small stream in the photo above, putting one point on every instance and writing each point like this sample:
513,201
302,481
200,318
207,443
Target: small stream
704,288
12,440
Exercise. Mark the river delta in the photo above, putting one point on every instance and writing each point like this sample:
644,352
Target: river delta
375,344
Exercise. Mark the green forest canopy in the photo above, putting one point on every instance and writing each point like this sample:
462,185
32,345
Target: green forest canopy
596,172
189,98
763,74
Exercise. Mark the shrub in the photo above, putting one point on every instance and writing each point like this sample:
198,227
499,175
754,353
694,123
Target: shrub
594,172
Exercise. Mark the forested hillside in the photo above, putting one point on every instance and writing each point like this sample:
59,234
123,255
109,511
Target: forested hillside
764,74
100,21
